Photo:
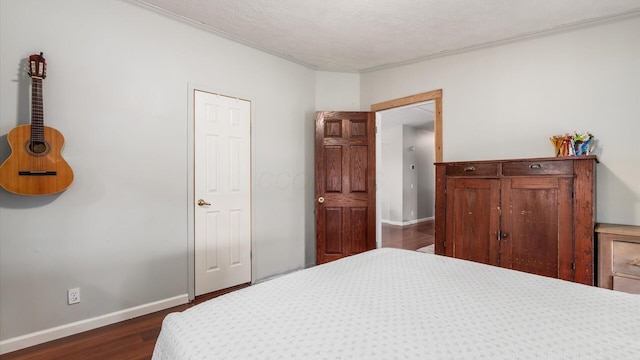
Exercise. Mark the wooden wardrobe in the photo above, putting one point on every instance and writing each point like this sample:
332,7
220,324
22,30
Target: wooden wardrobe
532,215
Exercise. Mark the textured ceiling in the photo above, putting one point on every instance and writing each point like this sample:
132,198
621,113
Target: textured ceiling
360,35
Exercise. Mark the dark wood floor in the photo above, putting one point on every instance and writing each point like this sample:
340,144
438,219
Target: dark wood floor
409,237
128,340
134,339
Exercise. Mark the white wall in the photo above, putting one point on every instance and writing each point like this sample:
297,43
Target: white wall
505,101
409,175
425,157
117,88
337,91
390,173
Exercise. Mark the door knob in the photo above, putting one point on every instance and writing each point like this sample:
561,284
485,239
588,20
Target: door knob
201,202
320,199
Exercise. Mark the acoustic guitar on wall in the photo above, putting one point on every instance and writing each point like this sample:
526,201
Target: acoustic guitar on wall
35,166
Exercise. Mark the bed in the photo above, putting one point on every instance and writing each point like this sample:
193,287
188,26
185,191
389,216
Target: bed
399,304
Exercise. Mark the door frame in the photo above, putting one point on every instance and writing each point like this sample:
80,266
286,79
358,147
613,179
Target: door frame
436,96
191,239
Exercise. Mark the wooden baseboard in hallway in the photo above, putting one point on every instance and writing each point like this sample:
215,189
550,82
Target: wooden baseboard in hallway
409,237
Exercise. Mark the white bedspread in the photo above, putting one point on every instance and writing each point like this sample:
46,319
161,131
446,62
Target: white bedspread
397,304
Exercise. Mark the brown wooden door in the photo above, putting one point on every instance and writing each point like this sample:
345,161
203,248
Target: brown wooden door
473,219
538,224
345,184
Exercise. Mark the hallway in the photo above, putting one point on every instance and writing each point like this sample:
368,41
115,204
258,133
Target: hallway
409,237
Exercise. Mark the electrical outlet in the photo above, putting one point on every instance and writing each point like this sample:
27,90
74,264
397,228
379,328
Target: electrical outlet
73,296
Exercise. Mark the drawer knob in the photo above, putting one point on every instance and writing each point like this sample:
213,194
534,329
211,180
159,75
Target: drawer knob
535,166
470,168
635,262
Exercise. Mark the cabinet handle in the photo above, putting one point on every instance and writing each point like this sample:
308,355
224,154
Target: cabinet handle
635,262
470,168
535,166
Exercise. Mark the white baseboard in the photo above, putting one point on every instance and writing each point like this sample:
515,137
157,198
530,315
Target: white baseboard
39,337
408,222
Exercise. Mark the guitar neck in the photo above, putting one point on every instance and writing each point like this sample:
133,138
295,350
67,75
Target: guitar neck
37,111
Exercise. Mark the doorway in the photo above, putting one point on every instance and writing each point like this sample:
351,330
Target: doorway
406,176
407,226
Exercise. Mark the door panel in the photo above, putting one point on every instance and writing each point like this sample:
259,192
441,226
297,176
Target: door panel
358,231
333,165
345,184
333,225
222,169
358,181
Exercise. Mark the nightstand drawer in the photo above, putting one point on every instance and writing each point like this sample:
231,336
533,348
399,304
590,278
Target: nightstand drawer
528,168
626,258
628,285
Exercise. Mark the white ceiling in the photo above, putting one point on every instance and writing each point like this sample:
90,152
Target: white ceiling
361,35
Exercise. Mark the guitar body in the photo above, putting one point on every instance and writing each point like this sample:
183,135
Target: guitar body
35,166
35,170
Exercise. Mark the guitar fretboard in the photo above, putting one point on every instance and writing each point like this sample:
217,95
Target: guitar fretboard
37,112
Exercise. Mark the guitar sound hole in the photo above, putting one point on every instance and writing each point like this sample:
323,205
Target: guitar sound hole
38,148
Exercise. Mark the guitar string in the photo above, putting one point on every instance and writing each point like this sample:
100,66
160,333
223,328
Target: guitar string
34,114
34,108
37,117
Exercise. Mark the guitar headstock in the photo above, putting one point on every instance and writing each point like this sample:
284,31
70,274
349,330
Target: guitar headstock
37,66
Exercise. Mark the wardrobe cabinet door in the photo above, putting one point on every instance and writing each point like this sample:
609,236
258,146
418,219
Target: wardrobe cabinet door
537,226
472,221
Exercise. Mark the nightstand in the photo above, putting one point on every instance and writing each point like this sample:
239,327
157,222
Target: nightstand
619,257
